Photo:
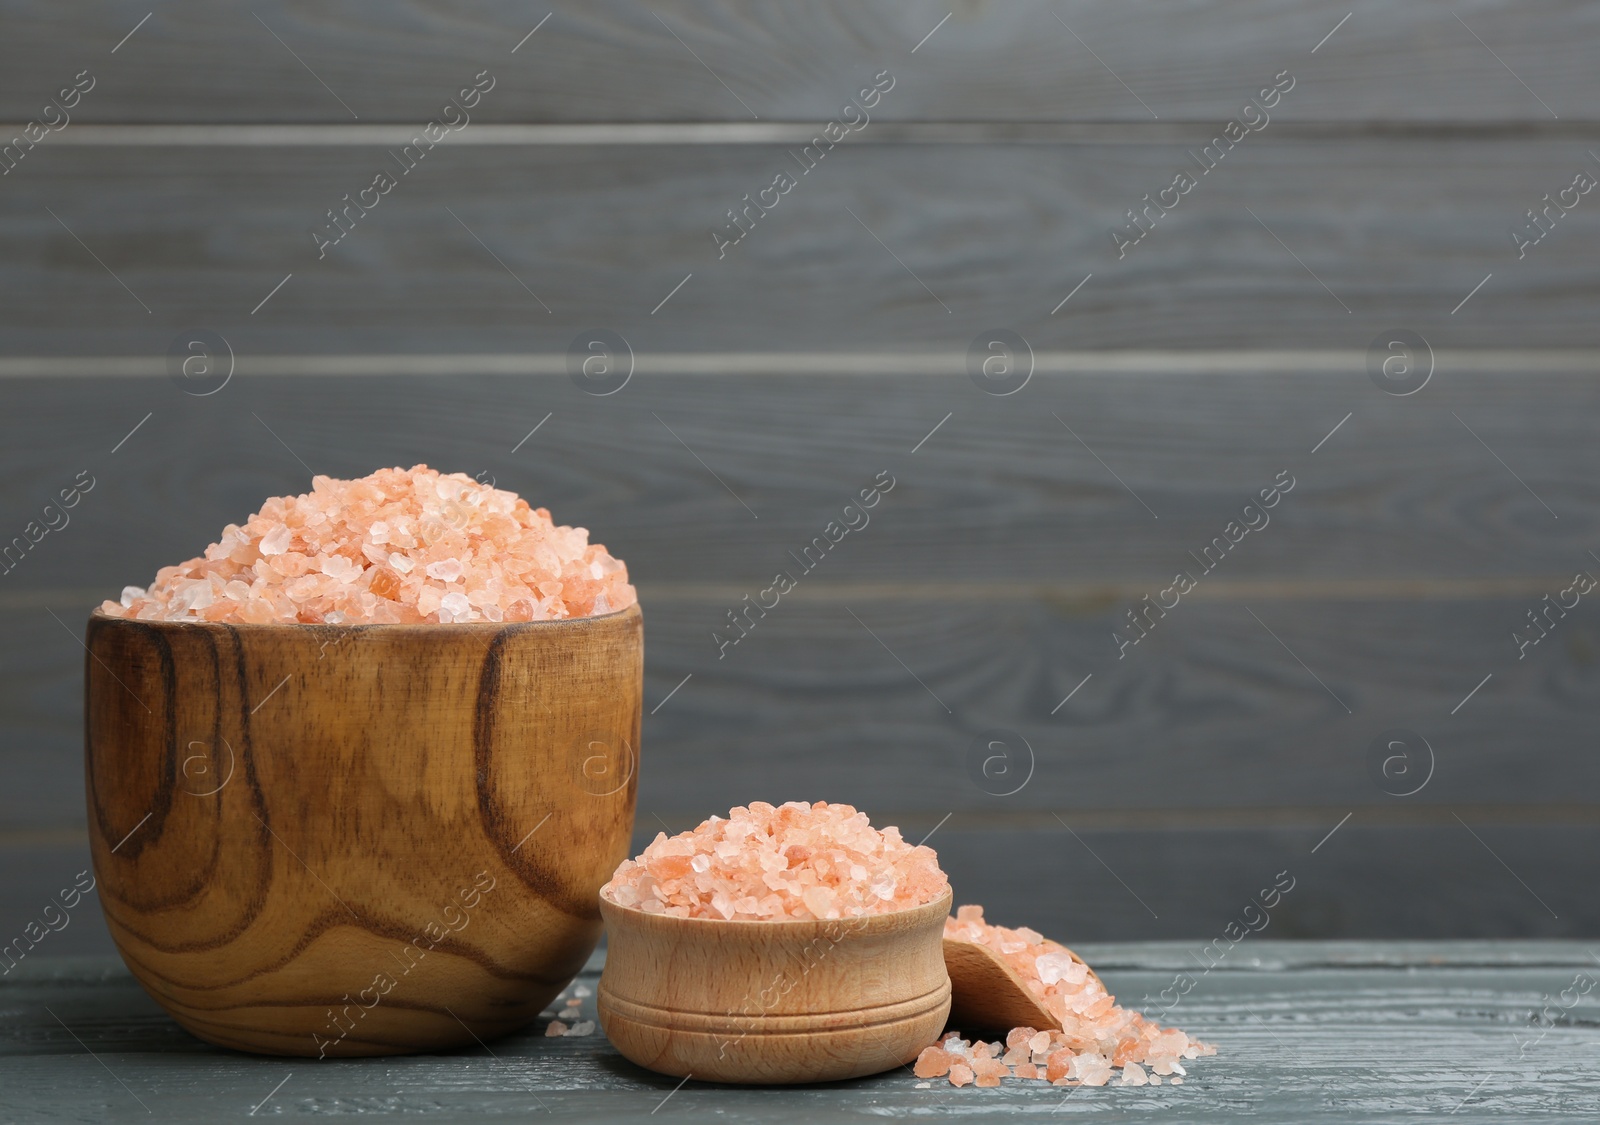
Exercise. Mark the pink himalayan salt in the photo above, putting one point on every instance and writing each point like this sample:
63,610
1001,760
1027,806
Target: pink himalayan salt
990,1071
775,863
1097,1037
934,1062
401,545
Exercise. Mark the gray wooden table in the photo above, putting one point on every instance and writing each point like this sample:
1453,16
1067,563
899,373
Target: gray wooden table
1305,1031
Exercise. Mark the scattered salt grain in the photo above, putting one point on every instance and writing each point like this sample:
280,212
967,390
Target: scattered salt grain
555,1028
400,545
778,862
586,1027
934,1062
924,1085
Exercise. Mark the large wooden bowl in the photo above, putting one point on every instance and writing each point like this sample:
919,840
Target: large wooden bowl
359,840
774,1002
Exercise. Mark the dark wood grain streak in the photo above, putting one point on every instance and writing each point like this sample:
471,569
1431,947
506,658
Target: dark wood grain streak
802,60
1000,234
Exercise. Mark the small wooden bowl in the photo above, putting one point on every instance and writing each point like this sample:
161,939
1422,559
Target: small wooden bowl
774,1002
359,840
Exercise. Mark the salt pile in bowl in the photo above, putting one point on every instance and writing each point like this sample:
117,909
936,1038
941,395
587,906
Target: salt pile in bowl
401,545
766,863
1097,1036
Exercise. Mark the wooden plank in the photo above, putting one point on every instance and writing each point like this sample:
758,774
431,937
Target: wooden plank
1401,501
604,236
1346,1044
687,60
39,871
1210,712
1365,881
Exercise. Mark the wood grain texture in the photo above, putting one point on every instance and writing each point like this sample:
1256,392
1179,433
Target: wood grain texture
801,60
774,1003
1306,1031
999,235
291,823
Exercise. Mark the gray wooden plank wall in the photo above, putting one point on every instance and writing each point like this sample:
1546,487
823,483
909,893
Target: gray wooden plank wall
827,346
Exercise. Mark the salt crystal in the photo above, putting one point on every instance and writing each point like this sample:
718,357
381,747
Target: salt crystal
583,991
456,605
932,1063
1093,1070
446,570
924,1085
584,1028
960,1074
341,569
276,541
1051,967
989,1072
554,1029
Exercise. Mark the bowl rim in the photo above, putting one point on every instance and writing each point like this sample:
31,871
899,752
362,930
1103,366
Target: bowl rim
635,608
910,915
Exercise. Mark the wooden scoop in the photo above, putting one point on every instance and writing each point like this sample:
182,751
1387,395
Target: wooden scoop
986,994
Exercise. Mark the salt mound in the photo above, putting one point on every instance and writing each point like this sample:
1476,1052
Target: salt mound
397,546
1097,1036
793,861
